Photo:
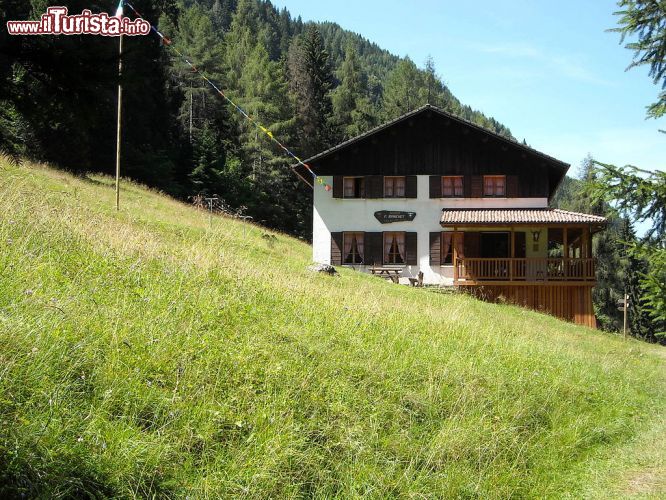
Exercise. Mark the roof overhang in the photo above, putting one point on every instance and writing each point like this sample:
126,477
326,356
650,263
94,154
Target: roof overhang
519,217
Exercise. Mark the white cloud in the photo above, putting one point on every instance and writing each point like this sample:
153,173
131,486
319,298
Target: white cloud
570,66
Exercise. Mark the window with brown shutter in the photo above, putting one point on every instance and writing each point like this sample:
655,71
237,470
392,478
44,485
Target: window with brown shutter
494,185
336,249
411,186
436,248
394,187
373,252
435,186
412,257
353,248
394,248
452,186
448,243
354,187
338,186
512,188
374,186
477,186
467,185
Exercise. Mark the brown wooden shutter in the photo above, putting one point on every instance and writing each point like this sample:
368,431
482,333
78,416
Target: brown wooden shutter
338,186
410,186
411,256
435,186
472,244
512,188
436,248
374,249
336,249
374,186
477,186
467,186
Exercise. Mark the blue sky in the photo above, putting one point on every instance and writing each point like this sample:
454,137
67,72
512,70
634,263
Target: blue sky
548,70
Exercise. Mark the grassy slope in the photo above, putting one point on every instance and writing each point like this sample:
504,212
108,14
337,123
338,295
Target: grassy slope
143,354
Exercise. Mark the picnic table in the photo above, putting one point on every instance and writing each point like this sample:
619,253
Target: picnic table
392,273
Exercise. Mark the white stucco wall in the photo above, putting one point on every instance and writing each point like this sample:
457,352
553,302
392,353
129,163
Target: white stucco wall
338,214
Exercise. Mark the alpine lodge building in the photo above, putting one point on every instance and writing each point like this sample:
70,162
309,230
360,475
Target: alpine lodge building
432,193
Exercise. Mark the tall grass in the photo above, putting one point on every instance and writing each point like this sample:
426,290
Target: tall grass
144,354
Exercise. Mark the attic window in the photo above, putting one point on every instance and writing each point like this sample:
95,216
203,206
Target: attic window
452,186
354,187
494,185
394,187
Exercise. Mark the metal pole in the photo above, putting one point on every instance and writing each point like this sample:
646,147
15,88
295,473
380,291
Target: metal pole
626,313
118,127
191,107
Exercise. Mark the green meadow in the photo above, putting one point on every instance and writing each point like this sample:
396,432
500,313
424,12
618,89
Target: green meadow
144,353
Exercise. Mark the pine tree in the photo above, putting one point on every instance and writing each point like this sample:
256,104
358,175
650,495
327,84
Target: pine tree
431,82
207,175
263,93
353,111
196,37
644,22
640,323
402,92
240,41
310,80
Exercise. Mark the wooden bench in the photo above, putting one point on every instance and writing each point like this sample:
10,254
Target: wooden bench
392,273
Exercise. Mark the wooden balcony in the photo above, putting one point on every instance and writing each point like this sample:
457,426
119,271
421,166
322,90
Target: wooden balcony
493,271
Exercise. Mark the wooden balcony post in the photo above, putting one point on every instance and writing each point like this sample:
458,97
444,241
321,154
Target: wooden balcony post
454,237
587,244
565,251
513,254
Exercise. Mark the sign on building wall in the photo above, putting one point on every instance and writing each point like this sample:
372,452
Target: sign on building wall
386,216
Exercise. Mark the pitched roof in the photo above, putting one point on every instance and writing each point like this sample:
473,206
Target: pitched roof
430,107
483,216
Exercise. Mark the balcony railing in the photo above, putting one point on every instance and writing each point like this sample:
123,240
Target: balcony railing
534,269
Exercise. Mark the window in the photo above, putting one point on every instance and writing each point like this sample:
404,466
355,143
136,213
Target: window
353,248
394,248
354,187
494,185
452,186
452,242
447,248
394,187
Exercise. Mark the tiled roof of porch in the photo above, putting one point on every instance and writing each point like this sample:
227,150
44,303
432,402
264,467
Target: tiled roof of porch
483,216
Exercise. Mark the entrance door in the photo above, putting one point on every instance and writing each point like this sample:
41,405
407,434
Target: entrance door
495,245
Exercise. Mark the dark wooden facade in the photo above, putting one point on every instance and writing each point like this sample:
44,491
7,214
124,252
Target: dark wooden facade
431,142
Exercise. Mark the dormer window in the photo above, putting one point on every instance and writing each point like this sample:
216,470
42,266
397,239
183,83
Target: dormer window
354,187
494,185
452,186
394,187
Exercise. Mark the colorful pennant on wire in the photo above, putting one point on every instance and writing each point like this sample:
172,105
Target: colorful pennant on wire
166,41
